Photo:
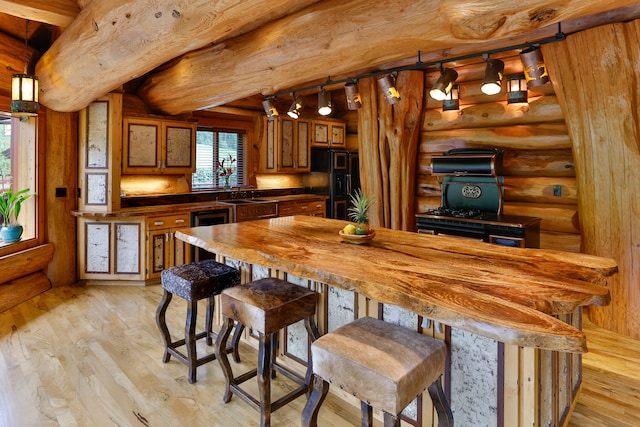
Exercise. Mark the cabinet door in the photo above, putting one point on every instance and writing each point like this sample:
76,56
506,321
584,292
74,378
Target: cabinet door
287,145
141,146
320,135
302,146
158,248
179,147
337,135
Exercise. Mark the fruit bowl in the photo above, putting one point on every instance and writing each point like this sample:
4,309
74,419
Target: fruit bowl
358,239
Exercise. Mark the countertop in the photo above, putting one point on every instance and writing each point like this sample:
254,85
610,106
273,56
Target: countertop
180,208
507,294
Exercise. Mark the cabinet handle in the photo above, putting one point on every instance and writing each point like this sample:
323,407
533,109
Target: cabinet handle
158,223
179,221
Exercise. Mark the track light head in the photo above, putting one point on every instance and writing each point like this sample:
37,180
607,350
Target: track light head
391,94
296,107
324,103
535,69
444,84
270,108
354,101
492,83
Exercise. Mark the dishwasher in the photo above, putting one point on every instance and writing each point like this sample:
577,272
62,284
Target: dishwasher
208,217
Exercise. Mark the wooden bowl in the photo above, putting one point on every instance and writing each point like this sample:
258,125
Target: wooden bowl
358,239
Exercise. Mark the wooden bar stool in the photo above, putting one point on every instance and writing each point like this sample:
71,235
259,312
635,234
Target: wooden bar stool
193,282
265,306
383,365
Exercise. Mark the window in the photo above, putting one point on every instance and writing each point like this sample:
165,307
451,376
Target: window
17,170
218,145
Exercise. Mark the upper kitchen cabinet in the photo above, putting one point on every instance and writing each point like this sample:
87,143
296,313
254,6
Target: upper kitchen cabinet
328,134
153,146
286,146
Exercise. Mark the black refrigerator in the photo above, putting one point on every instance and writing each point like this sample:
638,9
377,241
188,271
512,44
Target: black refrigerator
335,173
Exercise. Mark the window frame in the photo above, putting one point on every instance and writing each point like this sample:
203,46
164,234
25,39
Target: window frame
31,130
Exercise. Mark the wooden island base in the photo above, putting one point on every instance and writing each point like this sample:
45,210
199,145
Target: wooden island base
502,369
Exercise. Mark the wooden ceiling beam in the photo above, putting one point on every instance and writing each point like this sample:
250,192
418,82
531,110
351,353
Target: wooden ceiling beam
113,42
13,57
339,36
60,13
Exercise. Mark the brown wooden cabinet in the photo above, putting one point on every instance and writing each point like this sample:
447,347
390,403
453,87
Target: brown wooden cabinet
312,208
286,146
163,250
328,134
152,146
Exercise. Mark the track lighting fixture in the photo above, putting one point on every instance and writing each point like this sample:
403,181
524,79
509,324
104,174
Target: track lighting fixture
354,101
296,107
391,94
444,84
452,99
24,90
324,103
517,89
535,69
492,83
270,109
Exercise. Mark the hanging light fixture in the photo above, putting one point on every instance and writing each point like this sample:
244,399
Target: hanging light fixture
517,89
270,109
324,103
24,90
452,99
444,84
492,83
354,101
535,69
391,94
296,107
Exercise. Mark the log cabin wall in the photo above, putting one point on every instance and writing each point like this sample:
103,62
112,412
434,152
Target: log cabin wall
539,173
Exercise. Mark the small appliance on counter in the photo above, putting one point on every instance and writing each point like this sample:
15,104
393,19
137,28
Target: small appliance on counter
472,201
335,173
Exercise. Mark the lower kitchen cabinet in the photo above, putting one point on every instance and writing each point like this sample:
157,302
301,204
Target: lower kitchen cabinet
111,249
312,208
163,249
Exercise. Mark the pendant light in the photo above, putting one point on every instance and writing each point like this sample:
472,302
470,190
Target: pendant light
452,99
24,90
517,89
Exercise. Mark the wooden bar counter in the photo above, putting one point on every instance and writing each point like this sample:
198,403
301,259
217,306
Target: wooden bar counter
518,308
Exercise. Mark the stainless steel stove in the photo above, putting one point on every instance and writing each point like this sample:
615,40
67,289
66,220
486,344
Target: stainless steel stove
472,201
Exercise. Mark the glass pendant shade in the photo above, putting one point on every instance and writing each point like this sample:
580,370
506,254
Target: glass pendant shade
444,84
296,107
452,99
270,109
517,89
354,101
391,94
535,69
492,83
24,95
324,103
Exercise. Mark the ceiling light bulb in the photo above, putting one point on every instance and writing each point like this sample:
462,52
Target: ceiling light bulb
492,83
324,103
444,84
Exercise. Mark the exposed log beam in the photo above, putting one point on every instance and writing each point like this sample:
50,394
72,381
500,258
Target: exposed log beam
345,36
13,57
55,12
113,42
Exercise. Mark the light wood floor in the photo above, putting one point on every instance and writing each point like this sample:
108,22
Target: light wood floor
91,356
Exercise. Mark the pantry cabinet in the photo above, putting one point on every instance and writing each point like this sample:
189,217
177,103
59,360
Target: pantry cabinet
286,146
163,249
153,146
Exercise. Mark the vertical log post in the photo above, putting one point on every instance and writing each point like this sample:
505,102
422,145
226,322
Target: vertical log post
595,76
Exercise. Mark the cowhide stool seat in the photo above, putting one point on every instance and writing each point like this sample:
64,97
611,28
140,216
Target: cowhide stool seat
383,365
265,306
193,282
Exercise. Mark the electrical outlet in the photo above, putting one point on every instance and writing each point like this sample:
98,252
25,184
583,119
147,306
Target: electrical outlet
61,192
557,190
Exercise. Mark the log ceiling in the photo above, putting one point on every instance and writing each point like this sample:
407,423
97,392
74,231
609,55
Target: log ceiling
196,54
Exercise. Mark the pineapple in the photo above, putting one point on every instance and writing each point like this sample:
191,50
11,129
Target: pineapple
359,211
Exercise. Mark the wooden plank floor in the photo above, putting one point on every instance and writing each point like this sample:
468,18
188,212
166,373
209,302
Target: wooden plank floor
91,356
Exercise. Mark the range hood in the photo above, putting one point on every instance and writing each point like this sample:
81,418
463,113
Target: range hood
468,162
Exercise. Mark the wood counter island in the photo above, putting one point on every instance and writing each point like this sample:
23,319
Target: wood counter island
512,316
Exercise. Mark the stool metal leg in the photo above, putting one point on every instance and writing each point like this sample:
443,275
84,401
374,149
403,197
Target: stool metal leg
221,355
317,396
445,416
265,350
367,414
162,323
190,339
209,319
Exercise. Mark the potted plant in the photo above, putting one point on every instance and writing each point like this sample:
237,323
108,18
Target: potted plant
10,204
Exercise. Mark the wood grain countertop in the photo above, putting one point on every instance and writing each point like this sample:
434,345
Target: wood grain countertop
507,294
